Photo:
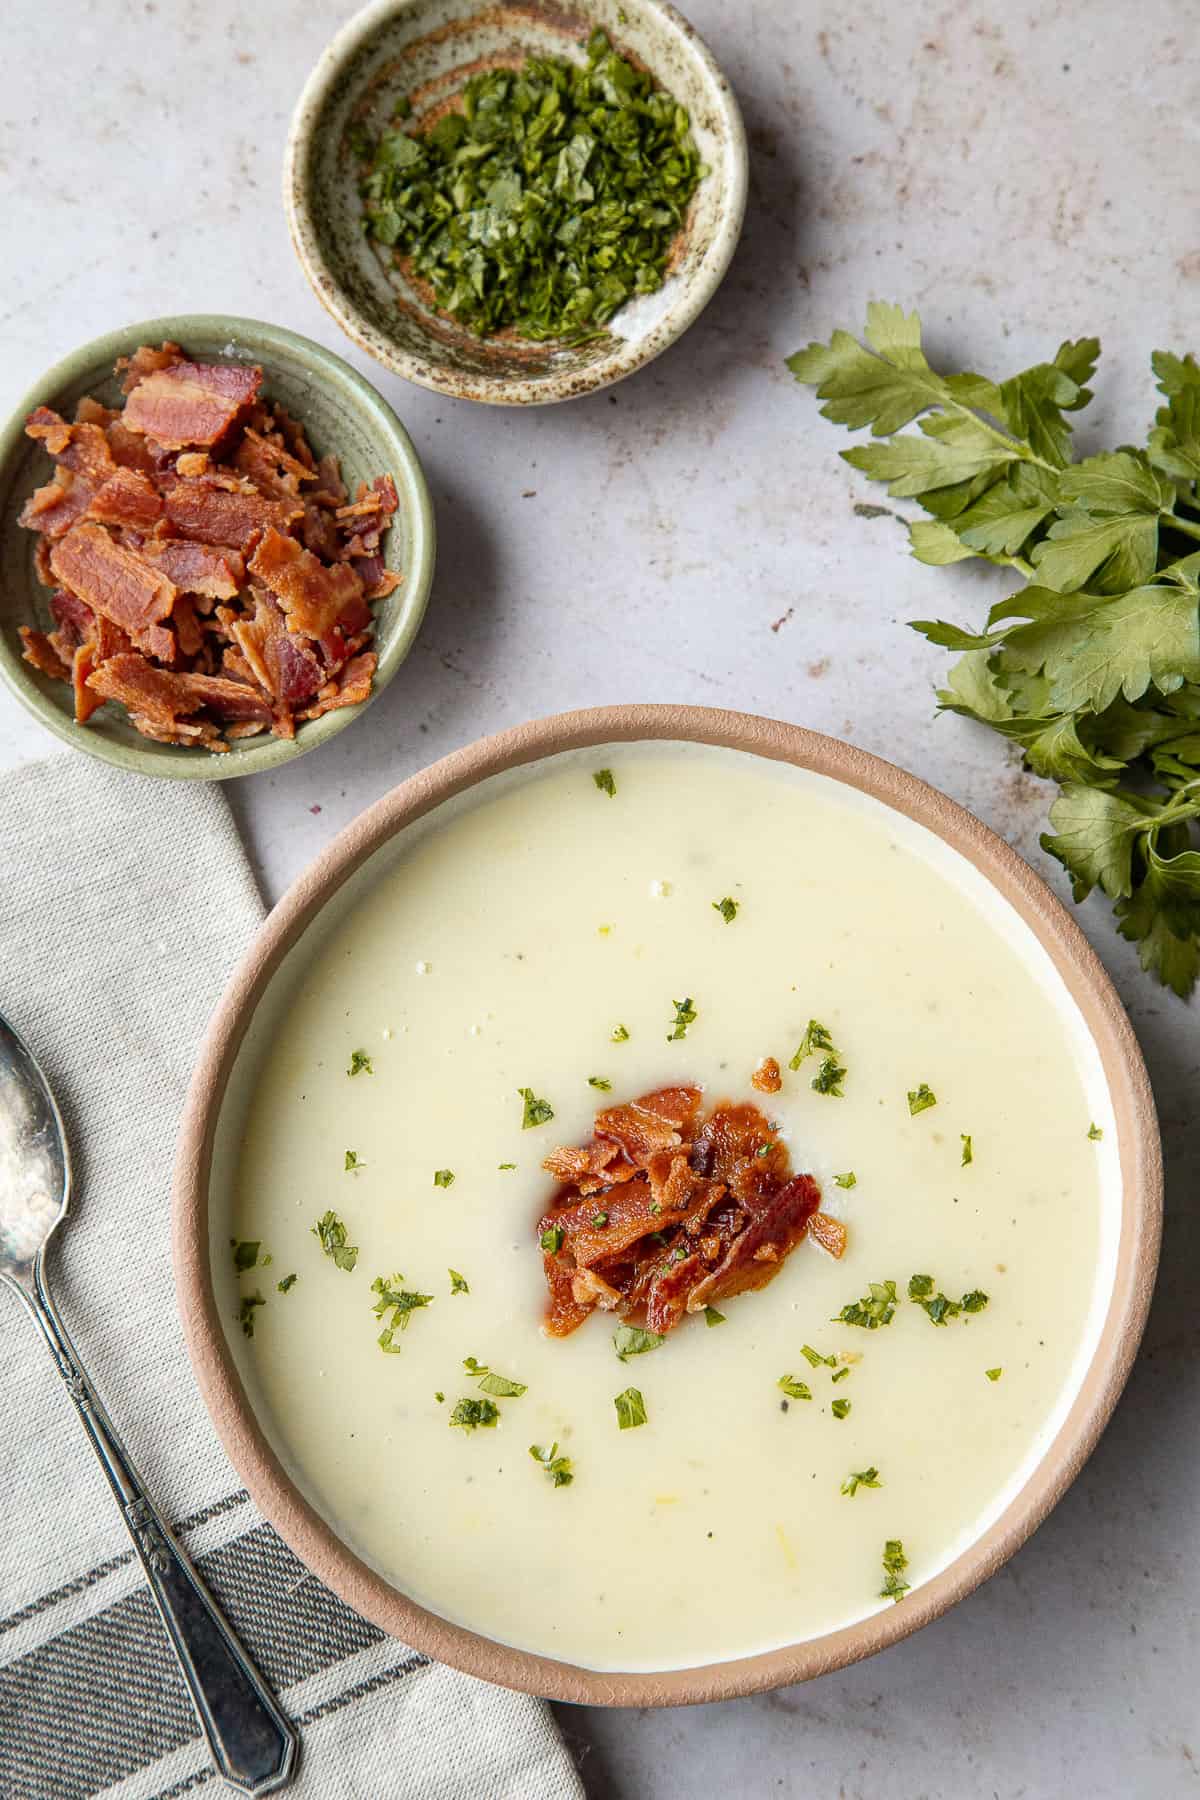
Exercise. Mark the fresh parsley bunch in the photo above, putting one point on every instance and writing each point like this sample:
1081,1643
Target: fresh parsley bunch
1093,666
547,202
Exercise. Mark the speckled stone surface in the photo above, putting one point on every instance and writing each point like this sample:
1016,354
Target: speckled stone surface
1020,173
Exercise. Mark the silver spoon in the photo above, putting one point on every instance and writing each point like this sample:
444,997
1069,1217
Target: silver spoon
253,1745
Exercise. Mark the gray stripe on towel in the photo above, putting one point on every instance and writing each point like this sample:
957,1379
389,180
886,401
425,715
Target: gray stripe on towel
103,1699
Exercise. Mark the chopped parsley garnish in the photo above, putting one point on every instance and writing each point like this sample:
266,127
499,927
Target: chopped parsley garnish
603,779
400,1304
1095,1133
685,1015
860,1478
503,1166
727,908
331,1233
968,1148
360,1063
631,1340
458,1283
713,1317
288,1282
440,1397
443,1177
246,1311
491,1383
550,199
599,1221
631,1409
840,1375
993,1374
619,1034
814,1358
245,1253
872,1310
839,1408
537,1112
894,1564
848,1180
794,1388
920,1099
598,1081
938,1306
831,1073
551,1239
557,1467
471,1414
352,1161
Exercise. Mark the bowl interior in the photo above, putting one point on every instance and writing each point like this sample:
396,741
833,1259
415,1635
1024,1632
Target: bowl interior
342,414
256,1007
423,51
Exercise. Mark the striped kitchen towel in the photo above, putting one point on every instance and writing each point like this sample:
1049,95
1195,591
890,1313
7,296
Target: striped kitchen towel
124,903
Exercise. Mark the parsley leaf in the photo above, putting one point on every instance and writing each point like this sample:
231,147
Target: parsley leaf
815,1359
631,1340
536,1112
246,1308
1095,1133
831,1073
551,1239
619,1034
921,1099
471,1414
848,1180
443,1177
727,908
857,1478
840,1408
360,1063
557,1467
352,1161
331,1233
458,1283
894,1564
968,1149
603,779
492,1383
1092,668
873,1310
400,1303
794,1388
993,1374
245,1253
288,1282
685,1015
713,1317
599,1081
631,1409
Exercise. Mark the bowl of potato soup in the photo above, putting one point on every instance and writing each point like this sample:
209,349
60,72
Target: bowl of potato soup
622,1205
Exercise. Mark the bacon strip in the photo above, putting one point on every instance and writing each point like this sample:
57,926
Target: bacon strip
111,580
312,595
191,404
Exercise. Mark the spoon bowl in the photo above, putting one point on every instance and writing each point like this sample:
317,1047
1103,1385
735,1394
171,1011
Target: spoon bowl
35,1164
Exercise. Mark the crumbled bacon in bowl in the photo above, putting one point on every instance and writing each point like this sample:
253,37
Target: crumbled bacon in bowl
207,572
666,1211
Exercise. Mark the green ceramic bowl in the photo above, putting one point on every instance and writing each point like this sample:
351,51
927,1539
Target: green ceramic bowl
343,414
423,51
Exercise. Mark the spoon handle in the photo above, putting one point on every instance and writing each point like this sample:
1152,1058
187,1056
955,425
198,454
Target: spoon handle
253,1745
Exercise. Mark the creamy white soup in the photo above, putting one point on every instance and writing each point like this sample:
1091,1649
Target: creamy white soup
540,935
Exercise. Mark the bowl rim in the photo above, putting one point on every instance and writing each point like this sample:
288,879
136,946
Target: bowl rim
503,390
315,1542
179,763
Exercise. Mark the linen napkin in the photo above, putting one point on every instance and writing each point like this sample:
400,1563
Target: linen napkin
124,903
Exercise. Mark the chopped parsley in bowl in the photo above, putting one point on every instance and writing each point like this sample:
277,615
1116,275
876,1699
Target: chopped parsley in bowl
515,207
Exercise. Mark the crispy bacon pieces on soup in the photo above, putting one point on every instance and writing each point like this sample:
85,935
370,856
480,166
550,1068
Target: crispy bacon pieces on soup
208,573
666,1211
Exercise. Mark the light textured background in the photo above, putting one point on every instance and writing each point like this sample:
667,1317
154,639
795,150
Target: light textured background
1021,173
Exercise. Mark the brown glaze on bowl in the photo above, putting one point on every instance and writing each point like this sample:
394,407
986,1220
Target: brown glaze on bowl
312,1538
424,51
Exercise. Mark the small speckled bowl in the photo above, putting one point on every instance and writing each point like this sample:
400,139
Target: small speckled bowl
423,51
343,415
